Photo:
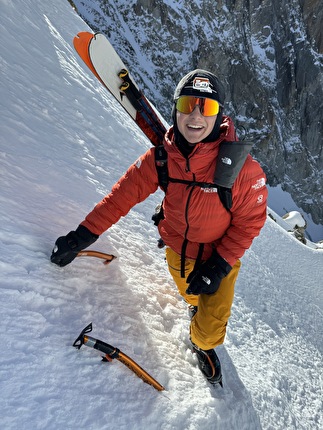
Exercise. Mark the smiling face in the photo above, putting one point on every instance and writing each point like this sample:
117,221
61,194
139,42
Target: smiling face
194,126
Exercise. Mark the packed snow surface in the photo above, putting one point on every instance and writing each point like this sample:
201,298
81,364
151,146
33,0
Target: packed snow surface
63,144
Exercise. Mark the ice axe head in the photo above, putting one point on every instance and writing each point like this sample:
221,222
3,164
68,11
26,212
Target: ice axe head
80,340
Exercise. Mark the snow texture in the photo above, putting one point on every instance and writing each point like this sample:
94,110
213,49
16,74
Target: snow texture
63,144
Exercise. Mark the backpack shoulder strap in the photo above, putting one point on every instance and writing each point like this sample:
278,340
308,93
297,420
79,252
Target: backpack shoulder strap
161,166
231,157
225,195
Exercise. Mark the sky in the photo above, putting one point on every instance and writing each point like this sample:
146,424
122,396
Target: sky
63,143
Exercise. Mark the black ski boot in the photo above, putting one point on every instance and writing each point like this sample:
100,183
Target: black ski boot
209,364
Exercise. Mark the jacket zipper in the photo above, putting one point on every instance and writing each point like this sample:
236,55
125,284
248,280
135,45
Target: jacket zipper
184,244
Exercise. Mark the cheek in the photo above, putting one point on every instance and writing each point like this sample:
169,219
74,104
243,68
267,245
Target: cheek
179,121
211,122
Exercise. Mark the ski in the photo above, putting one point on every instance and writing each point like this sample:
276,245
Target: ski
111,352
106,65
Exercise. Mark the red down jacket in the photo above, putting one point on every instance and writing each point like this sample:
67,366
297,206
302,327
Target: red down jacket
192,213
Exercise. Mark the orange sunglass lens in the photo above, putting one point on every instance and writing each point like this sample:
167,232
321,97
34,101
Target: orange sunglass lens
208,107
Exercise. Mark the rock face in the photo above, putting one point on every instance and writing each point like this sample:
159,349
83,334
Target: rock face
268,54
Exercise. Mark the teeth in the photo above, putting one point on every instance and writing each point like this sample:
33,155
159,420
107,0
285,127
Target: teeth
195,126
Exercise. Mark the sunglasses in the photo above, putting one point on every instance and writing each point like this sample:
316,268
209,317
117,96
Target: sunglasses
208,107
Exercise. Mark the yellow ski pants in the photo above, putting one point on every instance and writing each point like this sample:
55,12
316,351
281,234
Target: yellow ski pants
208,326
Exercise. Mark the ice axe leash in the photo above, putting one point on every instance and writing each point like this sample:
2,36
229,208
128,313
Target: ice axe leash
90,253
111,352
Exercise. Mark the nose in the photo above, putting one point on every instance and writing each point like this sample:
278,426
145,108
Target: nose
196,110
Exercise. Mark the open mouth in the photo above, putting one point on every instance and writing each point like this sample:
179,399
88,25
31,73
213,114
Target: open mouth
195,127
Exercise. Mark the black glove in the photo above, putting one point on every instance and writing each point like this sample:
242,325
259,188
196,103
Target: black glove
207,278
67,247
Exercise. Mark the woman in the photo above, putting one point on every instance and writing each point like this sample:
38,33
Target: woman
204,237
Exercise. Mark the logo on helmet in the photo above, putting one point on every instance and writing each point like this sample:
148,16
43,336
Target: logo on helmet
202,84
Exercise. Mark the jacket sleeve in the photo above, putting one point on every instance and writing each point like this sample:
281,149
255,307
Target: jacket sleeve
249,212
133,187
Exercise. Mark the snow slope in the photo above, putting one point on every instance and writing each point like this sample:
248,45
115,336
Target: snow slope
63,144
